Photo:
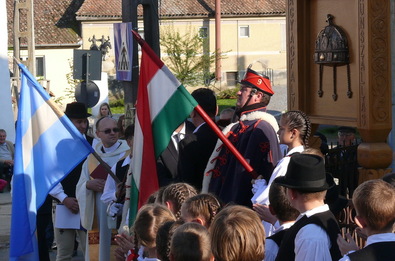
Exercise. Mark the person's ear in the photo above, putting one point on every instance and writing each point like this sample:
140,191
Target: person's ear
292,193
360,221
200,221
169,205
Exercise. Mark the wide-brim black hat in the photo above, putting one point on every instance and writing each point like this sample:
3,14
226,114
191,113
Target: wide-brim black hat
76,110
307,173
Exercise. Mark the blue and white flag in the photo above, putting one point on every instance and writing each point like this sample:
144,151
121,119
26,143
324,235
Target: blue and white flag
47,147
123,50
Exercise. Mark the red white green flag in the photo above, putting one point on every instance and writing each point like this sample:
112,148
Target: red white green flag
162,105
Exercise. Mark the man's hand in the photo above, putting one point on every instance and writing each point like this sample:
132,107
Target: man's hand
121,191
346,245
96,185
114,209
264,213
72,204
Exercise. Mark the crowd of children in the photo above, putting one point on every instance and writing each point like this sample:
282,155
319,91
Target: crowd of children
182,224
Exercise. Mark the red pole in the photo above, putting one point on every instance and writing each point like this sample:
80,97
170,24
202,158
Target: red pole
224,139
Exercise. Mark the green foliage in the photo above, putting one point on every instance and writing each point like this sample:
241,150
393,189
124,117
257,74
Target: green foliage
117,103
225,103
230,93
72,83
188,55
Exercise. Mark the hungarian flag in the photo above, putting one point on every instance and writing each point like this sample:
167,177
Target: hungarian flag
162,105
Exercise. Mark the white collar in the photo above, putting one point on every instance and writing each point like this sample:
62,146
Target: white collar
296,149
284,226
182,131
197,128
314,211
382,237
112,148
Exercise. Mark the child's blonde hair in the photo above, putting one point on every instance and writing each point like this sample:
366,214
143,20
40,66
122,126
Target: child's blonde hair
191,241
148,220
177,193
204,206
300,121
374,201
237,234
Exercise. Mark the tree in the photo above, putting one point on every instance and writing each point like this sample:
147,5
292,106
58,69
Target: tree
187,55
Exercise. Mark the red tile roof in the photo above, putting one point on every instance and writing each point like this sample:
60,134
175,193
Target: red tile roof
54,22
108,9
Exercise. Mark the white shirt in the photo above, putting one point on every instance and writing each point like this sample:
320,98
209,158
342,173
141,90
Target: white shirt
376,238
271,248
110,188
5,154
262,196
180,134
312,242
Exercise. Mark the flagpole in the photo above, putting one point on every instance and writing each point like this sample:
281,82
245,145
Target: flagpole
224,139
212,125
57,110
94,153
106,166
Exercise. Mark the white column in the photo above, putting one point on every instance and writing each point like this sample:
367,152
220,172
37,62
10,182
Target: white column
6,115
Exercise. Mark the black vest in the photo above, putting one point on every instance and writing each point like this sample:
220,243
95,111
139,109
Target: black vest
278,237
325,220
120,171
380,251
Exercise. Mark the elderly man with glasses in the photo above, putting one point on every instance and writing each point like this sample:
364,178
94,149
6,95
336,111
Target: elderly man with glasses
6,157
90,188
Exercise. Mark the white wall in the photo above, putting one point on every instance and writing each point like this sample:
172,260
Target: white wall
6,113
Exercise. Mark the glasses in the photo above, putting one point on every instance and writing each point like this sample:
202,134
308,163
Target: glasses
108,131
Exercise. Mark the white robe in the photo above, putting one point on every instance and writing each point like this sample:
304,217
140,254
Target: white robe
90,203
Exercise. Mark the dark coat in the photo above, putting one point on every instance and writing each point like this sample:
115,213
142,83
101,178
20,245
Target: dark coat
167,163
195,151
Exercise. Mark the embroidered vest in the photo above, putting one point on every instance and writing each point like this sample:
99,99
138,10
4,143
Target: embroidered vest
325,220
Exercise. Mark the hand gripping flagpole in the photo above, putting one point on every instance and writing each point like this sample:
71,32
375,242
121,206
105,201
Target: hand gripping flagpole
213,126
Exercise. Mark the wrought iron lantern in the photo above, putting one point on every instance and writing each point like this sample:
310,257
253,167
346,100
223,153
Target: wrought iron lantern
331,49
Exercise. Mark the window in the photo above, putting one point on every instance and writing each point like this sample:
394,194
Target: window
40,67
203,32
231,78
140,30
244,31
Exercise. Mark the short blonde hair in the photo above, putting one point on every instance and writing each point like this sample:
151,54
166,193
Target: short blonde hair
237,234
191,241
374,200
